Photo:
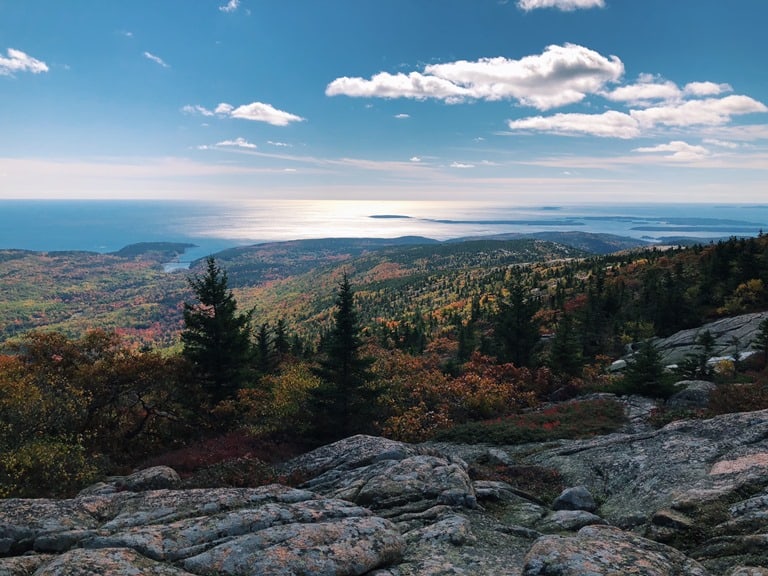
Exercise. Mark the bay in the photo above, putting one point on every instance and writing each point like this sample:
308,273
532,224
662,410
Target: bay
107,226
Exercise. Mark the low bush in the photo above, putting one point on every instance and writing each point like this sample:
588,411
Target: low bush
575,419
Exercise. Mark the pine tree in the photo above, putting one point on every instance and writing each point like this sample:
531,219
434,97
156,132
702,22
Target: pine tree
516,333
345,402
565,355
760,342
216,337
645,373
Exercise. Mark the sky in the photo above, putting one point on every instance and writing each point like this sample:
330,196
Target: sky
519,101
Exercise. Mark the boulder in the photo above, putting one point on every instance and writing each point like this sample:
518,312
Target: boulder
576,498
691,395
606,550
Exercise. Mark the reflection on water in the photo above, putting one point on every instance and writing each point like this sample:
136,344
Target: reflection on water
106,226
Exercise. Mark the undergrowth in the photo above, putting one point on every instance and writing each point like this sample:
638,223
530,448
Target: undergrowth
575,419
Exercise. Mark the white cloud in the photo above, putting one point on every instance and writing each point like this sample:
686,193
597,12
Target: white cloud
611,124
230,6
615,124
706,89
461,165
415,159
680,151
189,109
645,91
156,59
565,5
560,75
260,112
722,143
402,116
279,144
255,111
18,61
238,142
711,112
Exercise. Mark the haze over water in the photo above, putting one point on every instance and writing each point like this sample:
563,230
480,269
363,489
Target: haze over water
106,226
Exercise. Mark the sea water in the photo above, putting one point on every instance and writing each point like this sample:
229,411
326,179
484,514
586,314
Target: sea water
107,226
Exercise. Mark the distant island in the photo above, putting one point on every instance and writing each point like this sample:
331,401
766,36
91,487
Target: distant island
391,216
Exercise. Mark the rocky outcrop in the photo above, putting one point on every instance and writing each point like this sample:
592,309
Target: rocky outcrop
733,336
691,498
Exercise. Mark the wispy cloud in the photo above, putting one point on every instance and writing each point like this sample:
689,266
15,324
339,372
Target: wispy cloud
279,144
461,165
402,116
559,76
678,150
156,59
615,124
230,6
18,61
238,142
255,111
565,5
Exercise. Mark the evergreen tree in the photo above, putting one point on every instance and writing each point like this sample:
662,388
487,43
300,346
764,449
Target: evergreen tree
216,337
760,342
344,403
266,360
516,333
645,373
282,346
565,355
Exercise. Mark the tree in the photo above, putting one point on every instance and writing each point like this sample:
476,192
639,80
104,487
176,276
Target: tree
344,403
516,331
760,342
645,373
216,337
565,355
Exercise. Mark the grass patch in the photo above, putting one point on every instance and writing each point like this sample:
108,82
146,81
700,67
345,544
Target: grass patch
576,419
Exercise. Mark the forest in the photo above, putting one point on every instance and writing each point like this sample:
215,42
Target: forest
109,363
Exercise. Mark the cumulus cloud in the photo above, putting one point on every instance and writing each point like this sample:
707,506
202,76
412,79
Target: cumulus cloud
611,124
415,159
238,142
615,124
706,89
230,6
156,59
679,151
255,111
644,92
559,76
710,111
402,116
565,5
18,61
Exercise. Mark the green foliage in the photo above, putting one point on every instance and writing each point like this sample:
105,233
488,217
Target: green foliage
565,354
515,328
645,374
216,337
66,405
695,366
576,419
345,401
760,343
46,466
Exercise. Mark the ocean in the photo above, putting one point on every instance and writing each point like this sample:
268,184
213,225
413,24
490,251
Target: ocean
107,226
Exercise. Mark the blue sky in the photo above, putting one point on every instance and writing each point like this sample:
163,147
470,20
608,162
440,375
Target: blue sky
521,101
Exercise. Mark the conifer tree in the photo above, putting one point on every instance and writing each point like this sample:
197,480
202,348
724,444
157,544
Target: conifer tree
645,373
516,333
344,403
216,337
565,356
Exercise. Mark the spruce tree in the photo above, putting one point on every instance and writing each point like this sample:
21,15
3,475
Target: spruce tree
516,332
344,403
216,337
565,355
644,373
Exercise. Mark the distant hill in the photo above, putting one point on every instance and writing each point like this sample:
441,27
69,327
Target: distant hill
595,243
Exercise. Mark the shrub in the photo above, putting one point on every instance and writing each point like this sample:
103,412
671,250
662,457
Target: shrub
50,467
577,419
